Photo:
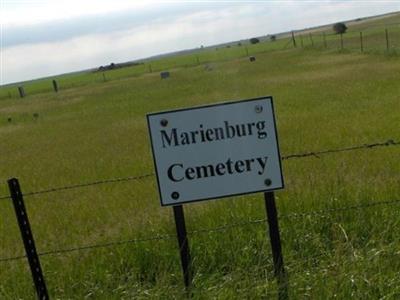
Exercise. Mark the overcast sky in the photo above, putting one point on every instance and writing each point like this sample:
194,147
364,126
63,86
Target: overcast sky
49,37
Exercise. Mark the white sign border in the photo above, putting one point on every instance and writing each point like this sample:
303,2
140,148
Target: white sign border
213,105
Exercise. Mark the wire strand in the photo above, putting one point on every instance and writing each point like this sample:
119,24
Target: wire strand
316,154
202,231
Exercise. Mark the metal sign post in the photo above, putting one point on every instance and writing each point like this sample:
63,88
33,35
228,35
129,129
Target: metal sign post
274,236
27,237
183,243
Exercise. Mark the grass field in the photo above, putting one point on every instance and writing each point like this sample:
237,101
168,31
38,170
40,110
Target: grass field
95,130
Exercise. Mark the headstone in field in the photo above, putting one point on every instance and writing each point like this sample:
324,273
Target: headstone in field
21,91
164,75
252,58
215,151
208,67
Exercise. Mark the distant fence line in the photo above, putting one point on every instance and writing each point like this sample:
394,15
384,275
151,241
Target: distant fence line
364,40
316,154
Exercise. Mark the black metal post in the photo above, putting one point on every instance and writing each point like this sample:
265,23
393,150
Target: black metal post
325,44
361,42
276,245
55,86
312,41
341,41
27,237
301,41
183,243
247,51
294,40
387,39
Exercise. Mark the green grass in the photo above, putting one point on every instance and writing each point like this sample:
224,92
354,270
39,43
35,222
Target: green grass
95,130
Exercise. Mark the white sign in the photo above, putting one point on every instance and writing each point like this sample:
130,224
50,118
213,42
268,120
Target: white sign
215,151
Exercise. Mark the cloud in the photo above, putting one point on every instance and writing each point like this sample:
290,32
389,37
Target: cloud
69,28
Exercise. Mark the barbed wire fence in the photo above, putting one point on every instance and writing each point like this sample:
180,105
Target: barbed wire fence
316,154
221,228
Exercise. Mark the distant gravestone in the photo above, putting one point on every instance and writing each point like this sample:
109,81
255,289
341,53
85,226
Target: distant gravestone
252,58
164,75
208,67
21,91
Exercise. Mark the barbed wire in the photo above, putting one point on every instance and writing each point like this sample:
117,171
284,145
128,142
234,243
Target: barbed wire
94,246
133,241
81,185
352,148
316,154
207,230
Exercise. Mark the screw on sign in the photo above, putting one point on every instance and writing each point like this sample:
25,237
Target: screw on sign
218,151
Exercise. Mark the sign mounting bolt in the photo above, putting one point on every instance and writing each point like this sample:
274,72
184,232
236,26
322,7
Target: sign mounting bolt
267,182
175,195
258,109
164,122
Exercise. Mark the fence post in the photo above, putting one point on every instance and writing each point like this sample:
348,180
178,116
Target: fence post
27,237
247,51
55,85
312,41
341,41
294,40
21,91
387,39
324,37
361,42
279,269
183,243
104,77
